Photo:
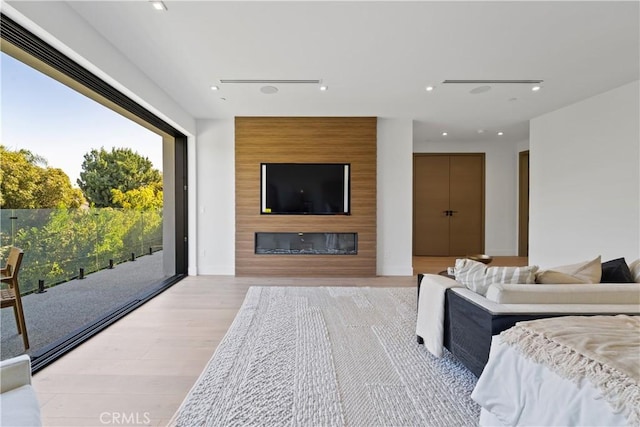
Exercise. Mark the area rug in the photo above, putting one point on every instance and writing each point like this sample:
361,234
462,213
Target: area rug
328,356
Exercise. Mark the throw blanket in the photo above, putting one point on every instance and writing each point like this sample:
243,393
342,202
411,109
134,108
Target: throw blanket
603,349
430,322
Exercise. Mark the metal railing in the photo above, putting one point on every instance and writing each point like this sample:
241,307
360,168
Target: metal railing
64,244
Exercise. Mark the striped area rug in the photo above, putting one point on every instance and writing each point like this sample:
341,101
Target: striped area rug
328,356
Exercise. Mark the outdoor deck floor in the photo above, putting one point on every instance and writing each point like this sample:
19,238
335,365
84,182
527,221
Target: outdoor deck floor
69,306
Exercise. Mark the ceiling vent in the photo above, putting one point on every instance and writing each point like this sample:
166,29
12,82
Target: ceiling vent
488,82
269,81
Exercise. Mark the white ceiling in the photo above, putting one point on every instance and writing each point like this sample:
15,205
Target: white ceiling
378,57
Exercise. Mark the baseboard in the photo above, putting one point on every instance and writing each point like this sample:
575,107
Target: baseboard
213,270
395,271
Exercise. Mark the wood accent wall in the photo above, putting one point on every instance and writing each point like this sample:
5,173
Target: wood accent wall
306,140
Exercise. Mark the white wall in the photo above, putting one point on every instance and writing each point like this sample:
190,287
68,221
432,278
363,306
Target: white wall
585,180
168,215
394,193
501,237
215,195
192,206
522,146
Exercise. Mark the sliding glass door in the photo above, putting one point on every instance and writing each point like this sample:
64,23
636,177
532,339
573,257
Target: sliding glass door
93,192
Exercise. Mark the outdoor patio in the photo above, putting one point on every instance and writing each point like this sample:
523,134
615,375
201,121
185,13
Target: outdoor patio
70,306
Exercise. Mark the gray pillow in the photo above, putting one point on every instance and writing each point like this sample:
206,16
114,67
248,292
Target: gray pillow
478,277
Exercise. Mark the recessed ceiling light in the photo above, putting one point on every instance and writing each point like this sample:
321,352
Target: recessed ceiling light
536,88
444,134
429,88
158,5
214,87
324,88
500,133
480,130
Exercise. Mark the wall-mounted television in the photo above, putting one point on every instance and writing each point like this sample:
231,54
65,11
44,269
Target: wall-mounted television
305,188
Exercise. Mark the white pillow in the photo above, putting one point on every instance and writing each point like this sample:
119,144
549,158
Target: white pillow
634,267
582,272
478,277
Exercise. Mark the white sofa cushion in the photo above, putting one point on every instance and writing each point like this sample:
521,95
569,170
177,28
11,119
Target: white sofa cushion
19,407
476,276
582,272
18,402
634,267
609,293
15,372
495,308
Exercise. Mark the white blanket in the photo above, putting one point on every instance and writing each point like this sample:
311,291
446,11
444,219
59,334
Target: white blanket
515,391
605,350
430,323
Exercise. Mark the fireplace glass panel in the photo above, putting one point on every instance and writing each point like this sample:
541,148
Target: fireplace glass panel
306,243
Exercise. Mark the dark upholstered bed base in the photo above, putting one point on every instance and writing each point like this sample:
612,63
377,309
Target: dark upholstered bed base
468,329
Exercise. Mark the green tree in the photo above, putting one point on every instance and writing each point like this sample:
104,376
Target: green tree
142,198
48,194
120,169
26,182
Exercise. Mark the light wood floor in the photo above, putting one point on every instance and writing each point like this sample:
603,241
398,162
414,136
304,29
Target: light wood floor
138,371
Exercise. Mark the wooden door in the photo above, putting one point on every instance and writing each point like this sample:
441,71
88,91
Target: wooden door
523,204
448,204
430,201
466,202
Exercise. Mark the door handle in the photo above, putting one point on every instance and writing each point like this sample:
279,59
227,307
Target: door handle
452,212
447,213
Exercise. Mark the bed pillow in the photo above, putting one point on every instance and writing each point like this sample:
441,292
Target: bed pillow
582,272
616,271
634,267
478,277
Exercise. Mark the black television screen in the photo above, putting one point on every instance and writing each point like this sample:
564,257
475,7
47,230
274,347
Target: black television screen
305,188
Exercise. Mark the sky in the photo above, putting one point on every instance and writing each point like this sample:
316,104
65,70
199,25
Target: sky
51,120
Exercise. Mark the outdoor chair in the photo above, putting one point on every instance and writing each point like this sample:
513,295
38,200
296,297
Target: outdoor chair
11,295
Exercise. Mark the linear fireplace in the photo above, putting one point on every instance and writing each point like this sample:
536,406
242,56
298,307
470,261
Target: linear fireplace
299,243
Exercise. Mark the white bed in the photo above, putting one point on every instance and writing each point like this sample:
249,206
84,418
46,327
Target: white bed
514,390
